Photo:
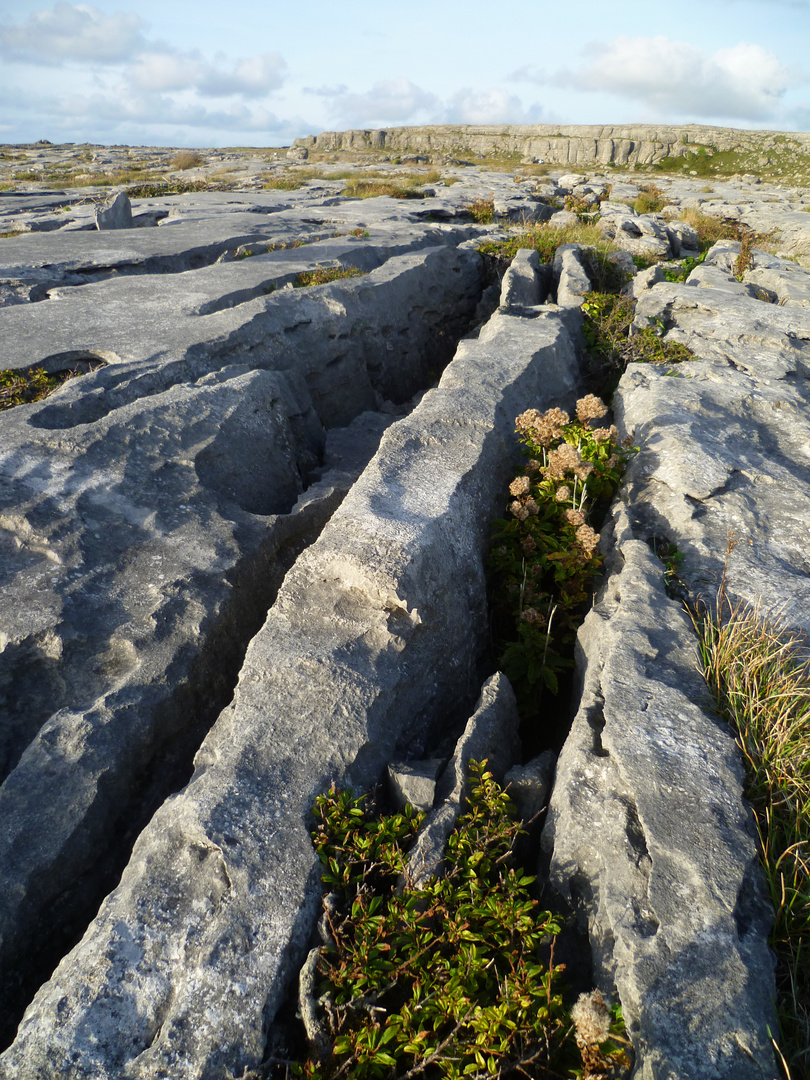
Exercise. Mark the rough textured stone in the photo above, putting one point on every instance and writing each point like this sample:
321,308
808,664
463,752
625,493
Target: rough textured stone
570,276
723,445
115,214
650,838
530,784
521,285
414,783
640,234
153,559
374,636
643,280
492,734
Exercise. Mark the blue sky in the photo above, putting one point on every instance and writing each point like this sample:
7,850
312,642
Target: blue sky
237,73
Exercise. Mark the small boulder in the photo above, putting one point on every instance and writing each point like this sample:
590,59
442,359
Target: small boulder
116,213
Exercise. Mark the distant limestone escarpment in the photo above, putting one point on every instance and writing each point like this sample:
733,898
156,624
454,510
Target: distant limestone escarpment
567,144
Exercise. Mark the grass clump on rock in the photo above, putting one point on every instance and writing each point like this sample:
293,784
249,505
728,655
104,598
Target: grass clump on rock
324,274
759,674
614,342
453,980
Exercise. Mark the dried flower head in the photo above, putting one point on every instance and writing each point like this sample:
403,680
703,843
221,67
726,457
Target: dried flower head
532,616
562,460
528,545
519,510
528,420
590,408
601,434
520,485
575,518
587,538
557,418
591,1018
532,507
563,493
532,465
584,470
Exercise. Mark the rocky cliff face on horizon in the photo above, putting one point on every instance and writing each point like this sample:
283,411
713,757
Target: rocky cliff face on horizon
244,558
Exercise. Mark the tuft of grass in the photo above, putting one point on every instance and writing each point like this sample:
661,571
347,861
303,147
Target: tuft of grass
21,387
649,200
186,159
759,673
173,187
324,274
546,240
710,229
482,210
284,183
373,189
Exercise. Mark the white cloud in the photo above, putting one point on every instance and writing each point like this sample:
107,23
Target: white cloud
392,101
73,32
744,82
493,106
253,76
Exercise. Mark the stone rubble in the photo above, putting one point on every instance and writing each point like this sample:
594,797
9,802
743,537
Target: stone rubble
249,537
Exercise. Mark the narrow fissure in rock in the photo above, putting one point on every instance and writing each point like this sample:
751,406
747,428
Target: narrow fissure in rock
134,785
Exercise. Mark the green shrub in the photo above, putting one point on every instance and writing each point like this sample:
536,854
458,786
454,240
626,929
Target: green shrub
447,980
20,387
482,210
649,200
612,346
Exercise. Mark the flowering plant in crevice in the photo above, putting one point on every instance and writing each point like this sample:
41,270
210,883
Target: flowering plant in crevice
545,553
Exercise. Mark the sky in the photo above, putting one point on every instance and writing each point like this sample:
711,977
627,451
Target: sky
236,73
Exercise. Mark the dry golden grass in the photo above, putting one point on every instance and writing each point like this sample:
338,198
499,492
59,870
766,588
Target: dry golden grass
759,673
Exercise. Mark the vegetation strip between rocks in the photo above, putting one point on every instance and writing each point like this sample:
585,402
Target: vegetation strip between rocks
544,555
456,979
759,674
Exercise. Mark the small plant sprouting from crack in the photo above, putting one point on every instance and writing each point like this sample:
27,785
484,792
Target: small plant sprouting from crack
673,561
324,274
453,980
482,210
23,387
614,342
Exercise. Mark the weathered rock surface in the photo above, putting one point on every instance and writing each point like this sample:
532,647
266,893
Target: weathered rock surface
115,214
650,837
724,442
576,144
153,509
521,285
374,636
491,735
